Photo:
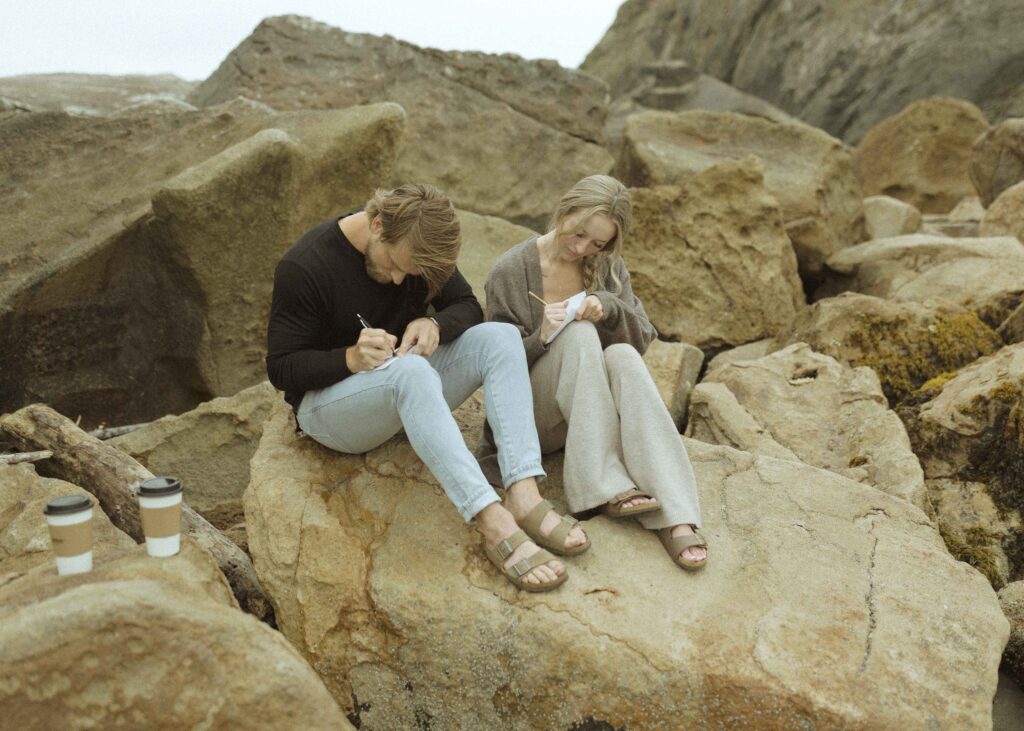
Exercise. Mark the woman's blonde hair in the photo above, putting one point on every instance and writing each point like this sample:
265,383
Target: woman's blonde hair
598,194
424,217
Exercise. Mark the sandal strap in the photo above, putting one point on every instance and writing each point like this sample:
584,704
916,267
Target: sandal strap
505,547
525,565
628,495
678,544
560,532
533,519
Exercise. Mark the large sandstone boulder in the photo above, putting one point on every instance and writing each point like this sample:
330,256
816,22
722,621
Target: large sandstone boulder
921,154
151,296
969,436
828,414
1011,599
985,274
94,94
484,239
386,591
906,343
710,259
885,216
997,161
807,171
24,536
1005,217
840,66
503,136
149,643
674,368
208,449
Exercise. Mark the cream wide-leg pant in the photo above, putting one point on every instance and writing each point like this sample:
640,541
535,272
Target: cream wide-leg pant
602,406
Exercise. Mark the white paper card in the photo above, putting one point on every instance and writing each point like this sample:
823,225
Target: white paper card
574,304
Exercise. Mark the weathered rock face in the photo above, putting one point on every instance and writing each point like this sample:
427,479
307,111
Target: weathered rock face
985,274
839,66
1012,328
906,343
1005,217
969,436
208,449
95,94
828,414
1011,599
806,170
501,135
24,536
997,161
152,294
674,368
484,239
711,260
400,633
963,222
885,216
920,155
149,643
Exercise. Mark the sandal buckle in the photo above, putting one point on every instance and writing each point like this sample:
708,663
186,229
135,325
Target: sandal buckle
504,549
521,567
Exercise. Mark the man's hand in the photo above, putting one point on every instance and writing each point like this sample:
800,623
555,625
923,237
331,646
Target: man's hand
373,348
591,309
554,316
421,337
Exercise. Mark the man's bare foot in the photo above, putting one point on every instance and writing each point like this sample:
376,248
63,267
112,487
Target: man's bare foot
496,524
523,496
693,554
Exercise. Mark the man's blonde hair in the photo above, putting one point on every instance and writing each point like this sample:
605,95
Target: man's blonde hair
598,194
424,217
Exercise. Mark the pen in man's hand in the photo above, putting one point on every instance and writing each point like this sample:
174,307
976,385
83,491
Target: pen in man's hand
368,326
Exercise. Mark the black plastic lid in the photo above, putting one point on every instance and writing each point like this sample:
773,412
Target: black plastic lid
160,486
67,504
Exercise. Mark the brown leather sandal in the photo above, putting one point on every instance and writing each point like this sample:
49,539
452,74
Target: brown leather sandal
613,508
521,568
555,540
676,545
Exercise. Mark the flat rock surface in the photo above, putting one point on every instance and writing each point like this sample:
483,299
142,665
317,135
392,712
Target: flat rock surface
92,94
908,637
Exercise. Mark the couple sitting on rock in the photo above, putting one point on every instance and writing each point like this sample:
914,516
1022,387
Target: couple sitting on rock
348,287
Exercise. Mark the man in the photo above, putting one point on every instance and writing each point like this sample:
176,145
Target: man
341,294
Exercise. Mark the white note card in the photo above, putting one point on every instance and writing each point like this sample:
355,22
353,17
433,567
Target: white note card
574,305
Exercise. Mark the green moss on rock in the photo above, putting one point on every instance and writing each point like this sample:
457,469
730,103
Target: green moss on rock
976,547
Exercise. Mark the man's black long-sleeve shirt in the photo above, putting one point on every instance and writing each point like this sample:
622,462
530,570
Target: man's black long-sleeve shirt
320,285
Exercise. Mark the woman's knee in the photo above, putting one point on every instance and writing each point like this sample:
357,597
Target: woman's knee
623,357
580,335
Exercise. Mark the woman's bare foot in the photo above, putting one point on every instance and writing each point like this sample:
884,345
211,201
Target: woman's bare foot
693,554
642,500
496,524
523,496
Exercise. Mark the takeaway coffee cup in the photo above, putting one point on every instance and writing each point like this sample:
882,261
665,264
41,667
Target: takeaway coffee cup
69,518
160,508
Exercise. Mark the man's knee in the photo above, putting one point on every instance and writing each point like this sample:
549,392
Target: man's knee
495,334
413,370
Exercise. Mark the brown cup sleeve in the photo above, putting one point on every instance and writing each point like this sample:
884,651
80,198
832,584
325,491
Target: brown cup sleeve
161,522
71,540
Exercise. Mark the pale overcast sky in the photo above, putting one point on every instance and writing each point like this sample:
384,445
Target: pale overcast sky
190,38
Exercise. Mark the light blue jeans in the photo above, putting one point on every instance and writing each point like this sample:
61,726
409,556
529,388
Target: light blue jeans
419,393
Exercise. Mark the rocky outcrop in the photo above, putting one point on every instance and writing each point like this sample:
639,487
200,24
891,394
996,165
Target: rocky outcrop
208,449
24,536
997,161
710,259
1005,217
843,67
963,222
93,94
149,643
921,154
968,432
808,172
827,414
401,632
906,343
484,239
674,368
1011,599
151,296
885,217
501,135
985,274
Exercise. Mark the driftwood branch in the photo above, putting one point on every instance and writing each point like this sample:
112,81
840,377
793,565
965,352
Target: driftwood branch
112,476
109,432
19,457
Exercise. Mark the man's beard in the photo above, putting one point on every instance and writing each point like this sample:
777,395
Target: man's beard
376,274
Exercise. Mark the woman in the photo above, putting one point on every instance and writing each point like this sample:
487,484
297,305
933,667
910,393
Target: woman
592,392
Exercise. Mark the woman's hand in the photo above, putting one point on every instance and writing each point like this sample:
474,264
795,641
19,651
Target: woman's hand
591,309
554,316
